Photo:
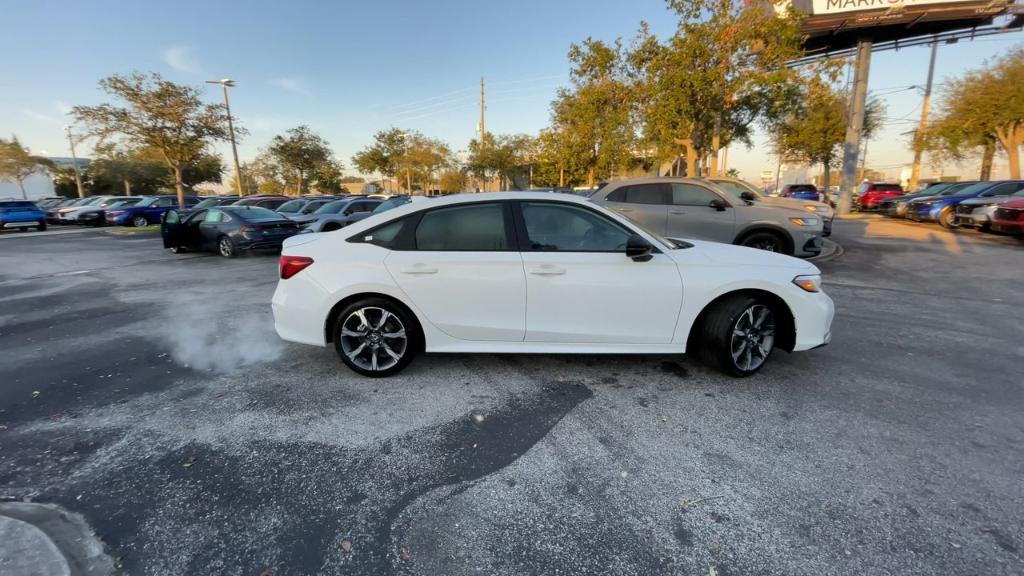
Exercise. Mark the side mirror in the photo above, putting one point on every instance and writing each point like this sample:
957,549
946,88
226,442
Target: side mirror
717,204
638,249
748,196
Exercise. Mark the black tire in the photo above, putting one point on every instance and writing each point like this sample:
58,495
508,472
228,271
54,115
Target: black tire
376,348
717,335
177,249
947,219
766,240
226,248
140,222
41,227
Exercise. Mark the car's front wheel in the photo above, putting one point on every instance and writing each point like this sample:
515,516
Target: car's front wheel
140,222
737,336
947,219
374,337
41,226
765,240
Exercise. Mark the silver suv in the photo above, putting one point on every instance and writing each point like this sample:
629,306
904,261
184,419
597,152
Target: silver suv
691,208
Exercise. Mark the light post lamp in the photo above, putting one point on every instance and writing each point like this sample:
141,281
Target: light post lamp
74,161
224,84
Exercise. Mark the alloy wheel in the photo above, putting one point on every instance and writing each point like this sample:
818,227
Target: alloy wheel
753,336
140,222
227,249
373,338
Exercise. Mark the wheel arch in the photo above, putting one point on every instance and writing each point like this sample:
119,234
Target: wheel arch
785,321
332,316
787,237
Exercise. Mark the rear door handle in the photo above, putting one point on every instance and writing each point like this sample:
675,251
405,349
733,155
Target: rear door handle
419,269
547,270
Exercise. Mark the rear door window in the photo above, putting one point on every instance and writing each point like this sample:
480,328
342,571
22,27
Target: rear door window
692,195
657,193
474,227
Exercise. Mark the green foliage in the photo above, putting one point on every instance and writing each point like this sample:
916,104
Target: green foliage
405,155
980,107
305,159
451,181
17,164
158,115
502,155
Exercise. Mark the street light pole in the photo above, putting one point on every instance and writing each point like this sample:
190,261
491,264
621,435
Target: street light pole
74,162
231,129
915,169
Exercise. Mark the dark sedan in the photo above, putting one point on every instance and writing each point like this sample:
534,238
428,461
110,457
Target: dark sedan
228,230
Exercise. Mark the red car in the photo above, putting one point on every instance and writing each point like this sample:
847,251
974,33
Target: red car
1009,217
870,194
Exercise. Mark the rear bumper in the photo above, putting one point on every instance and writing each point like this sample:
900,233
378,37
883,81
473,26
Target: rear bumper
300,311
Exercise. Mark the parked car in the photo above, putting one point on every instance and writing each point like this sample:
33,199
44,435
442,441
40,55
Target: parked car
890,206
801,192
338,214
537,272
212,201
228,230
942,209
49,202
977,212
21,214
270,202
870,194
53,214
691,208
395,202
303,206
902,202
96,215
1008,217
70,215
742,190
148,211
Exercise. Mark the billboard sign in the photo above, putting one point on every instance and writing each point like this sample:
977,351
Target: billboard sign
838,6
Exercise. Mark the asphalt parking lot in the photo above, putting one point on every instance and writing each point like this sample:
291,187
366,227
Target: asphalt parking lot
148,392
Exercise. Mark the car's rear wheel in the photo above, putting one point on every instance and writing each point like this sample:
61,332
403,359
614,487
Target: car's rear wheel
765,240
176,249
737,336
947,219
226,247
375,337
140,222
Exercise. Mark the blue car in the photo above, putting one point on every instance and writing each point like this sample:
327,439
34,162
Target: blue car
149,210
942,209
21,214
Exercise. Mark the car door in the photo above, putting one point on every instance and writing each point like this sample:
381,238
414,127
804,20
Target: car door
170,229
464,272
188,230
582,288
210,229
647,204
698,212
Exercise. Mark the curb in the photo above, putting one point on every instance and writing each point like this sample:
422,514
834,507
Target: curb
830,251
45,539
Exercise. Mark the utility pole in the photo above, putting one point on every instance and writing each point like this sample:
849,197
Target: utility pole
915,169
231,129
74,162
851,147
483,132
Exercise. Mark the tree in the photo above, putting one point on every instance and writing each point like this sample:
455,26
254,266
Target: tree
305,156
814,129
982,107
159,115
116,167
502,156
722,70
383,156
452,180
17,164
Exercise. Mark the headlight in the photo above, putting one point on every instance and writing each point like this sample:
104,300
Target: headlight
817,209
804,221
809,283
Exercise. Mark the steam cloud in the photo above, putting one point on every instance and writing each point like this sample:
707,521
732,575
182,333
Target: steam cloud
207,336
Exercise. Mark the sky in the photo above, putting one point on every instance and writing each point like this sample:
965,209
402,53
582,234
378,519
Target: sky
349,69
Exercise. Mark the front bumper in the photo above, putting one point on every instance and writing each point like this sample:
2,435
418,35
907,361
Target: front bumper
813,316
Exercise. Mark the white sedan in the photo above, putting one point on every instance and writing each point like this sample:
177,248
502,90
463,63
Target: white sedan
539,273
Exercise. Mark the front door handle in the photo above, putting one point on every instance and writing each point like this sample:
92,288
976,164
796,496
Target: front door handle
547,270
419,269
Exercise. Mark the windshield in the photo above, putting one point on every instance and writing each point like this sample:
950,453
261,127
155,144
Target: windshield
291,206
972,189
119,203
148,201
934,190
334,207
256,214
208,203
310,207
389,204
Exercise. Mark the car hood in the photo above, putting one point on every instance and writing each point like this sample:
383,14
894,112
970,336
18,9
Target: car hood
729,255
1015,203
794,203
984,201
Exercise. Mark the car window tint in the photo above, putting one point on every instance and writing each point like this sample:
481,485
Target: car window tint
1004,189
334,207
617,195
647,194
566,228
172,217
692,195
257,214
213,216
385,235
163,202
291,206
473,227
271,204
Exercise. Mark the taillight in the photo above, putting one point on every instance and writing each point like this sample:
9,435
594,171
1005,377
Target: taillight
247,228
289,266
